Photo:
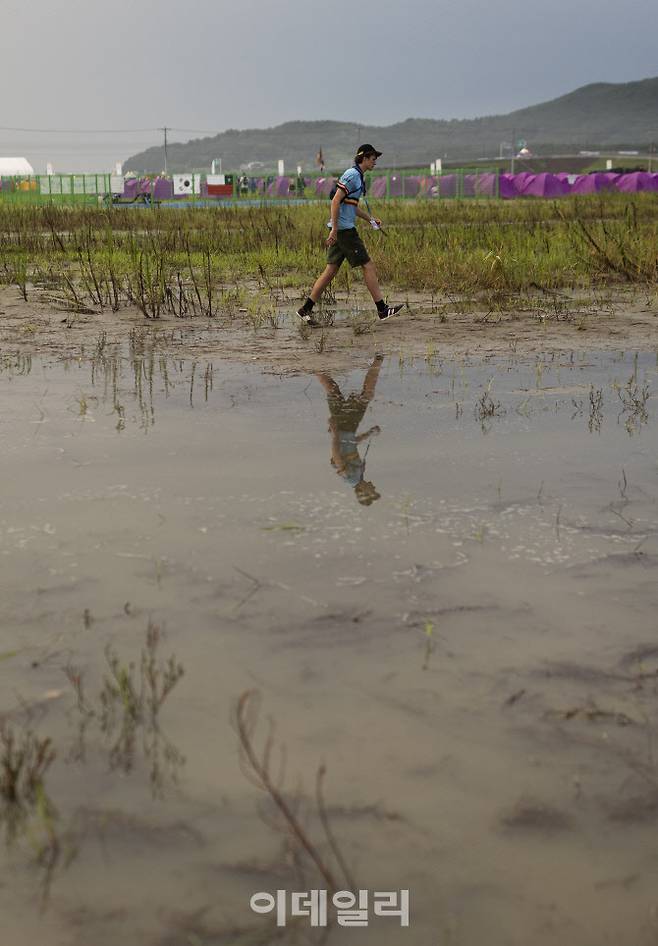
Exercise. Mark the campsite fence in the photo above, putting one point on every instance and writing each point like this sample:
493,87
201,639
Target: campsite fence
63,188
464,183
112,191
94,189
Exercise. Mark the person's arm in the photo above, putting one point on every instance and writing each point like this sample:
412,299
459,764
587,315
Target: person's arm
365,216
368,433
336,201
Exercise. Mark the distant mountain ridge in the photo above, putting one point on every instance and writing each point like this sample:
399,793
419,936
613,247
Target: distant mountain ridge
599,116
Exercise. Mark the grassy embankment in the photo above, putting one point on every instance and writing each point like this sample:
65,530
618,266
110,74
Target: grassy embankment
489,254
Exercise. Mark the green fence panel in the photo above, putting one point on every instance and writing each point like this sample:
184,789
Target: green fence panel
73,189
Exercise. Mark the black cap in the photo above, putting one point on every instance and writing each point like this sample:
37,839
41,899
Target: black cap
364,151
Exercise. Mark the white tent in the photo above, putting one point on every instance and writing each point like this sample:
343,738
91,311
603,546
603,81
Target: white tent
15,167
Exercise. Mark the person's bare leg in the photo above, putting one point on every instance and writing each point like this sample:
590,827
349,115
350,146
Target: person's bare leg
323,281
371,281
370,277
370,380
328,384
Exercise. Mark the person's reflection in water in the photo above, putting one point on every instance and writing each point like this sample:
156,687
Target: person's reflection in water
346,413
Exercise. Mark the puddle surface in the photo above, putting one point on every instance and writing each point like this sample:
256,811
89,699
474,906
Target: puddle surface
442,588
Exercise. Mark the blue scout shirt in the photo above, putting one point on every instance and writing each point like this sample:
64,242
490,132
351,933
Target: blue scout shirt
352,184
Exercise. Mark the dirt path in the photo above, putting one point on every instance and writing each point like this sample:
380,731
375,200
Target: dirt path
619,321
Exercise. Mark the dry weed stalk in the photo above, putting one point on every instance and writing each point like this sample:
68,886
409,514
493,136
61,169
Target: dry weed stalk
258,769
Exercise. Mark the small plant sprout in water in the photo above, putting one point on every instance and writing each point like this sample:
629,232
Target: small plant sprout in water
430,643
128,706
480,532
595,409
634,403
24,760
320,342
324,316
486,407
26,810
623,484
361,324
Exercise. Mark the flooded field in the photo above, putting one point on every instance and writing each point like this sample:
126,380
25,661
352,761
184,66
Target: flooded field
258,634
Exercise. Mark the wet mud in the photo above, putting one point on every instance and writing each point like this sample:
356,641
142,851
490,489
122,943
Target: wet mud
609,319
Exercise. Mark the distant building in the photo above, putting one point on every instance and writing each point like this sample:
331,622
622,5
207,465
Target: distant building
15,167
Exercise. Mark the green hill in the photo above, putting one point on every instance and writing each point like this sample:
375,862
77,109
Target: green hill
595,117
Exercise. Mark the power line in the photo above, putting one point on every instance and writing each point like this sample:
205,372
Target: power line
82,131
106,131
81,152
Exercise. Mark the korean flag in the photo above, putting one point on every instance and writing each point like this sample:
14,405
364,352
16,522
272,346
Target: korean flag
186,184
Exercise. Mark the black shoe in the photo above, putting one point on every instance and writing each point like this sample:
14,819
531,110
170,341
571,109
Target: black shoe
307,318
389,311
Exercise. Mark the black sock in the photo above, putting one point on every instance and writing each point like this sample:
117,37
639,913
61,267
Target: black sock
308,305
381,305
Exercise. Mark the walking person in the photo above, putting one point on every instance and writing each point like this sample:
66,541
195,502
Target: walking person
345,416
344,242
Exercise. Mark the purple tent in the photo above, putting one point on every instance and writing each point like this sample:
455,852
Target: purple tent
479,185
395,186
323,186
378,187
133,187
507,186
593,183
411,186
637,181
163,188
428,186
520,180
513,185
544,185
448,185
486,185
280,187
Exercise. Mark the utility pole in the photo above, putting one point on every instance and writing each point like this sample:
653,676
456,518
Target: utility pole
165,130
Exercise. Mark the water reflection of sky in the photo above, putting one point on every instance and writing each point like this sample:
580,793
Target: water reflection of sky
543,456
515,529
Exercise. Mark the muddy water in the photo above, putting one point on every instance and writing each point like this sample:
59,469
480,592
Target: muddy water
470,651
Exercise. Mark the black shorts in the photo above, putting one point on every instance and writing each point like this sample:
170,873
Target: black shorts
349,246
347,411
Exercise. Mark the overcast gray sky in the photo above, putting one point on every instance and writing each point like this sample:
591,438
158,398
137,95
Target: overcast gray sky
209,65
